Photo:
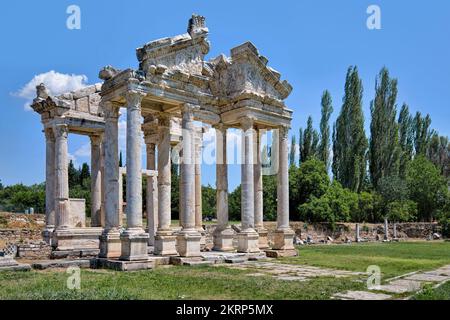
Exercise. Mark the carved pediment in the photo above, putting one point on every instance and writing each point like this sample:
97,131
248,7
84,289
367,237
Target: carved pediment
183,53
246,74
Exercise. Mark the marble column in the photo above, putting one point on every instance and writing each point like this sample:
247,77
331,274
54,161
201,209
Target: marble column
198,145
49,185
386,230
122,172
102,169
152,194
258,185
223,234
284,235
134,239
61,177
248,237
110,246
96,180
188,238
357,237
164,239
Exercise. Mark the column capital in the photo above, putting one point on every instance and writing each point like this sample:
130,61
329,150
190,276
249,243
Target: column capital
110,109
284,131
134,98
187,111
247,122
61,131
164,120
221,127
96,139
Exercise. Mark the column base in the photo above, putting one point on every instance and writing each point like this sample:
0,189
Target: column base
151,238
134,245
263,241
165,244
110,244
188,243
223,239
202,239
248,241
47,235
76,239
283,239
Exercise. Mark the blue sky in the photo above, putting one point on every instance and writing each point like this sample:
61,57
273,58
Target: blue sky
311,43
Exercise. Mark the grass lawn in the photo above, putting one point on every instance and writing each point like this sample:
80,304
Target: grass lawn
224,283
166,283
440,293
394,259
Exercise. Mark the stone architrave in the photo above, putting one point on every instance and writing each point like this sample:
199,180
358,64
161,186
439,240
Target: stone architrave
188,239
165,239
110,245
134,239
223,234
284,235
248,237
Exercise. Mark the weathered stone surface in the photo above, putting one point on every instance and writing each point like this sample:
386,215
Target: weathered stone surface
401,286
47,264
427,277
362,295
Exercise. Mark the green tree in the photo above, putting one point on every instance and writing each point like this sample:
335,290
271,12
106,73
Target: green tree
439,153
292,151
84,175
402,211
120,159
426,187
309,140
349,139
74,175
406,139
234,204
1,185
175,191
422,133
269,197
209,201
384,149
327,110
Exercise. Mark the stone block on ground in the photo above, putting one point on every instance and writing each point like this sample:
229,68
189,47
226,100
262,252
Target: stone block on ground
48,264
281,253
361,295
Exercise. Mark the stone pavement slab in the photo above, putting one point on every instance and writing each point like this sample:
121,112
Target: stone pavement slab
361,295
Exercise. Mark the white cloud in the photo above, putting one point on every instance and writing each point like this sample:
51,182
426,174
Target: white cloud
83,151
57,83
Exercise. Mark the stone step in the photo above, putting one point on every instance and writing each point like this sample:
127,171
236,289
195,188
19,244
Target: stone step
51,264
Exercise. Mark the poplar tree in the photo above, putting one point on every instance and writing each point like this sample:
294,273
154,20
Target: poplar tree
384,150
349,139
324,147
309,141
292,152
422,133
406,139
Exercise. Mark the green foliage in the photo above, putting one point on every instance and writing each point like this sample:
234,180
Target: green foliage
406,139
309,141
349,139
292,152
270,198
439,153
324,147
366,208
311,179
234,204
18,198
422,133
175,192
393,188
209,201
384,150
337,204
426,187
402,211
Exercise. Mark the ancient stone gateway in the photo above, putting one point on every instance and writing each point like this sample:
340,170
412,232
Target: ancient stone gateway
173,88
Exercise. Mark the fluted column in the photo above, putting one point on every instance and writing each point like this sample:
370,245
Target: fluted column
247,238
223,234
62,177
49,185
164,239
258,185
134,239
198,179
152,194
110,246
284,235
189,238
96,180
